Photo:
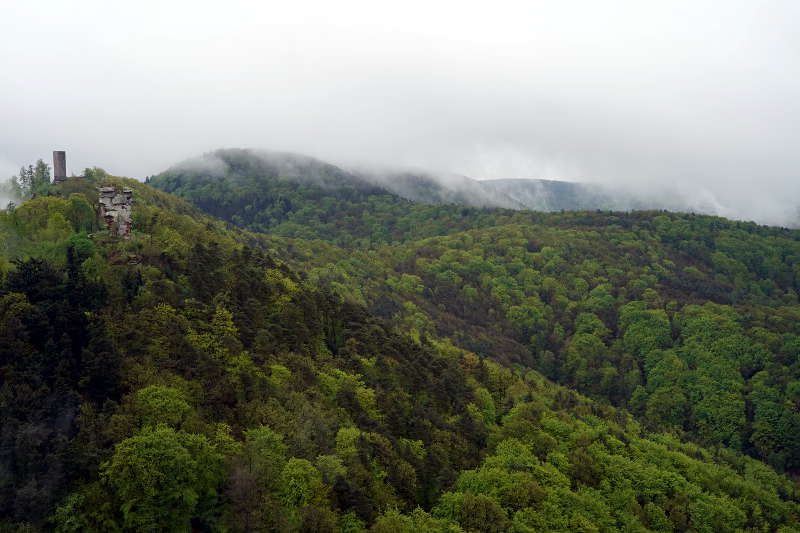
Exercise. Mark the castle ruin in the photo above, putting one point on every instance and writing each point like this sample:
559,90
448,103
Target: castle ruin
115,210
59,166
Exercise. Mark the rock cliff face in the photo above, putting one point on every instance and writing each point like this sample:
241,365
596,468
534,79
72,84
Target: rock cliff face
115,210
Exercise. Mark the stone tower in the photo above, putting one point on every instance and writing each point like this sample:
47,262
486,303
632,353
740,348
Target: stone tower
59,166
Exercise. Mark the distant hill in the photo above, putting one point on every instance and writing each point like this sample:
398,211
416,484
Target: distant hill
270,176
292,195
552,195
431,188
271,169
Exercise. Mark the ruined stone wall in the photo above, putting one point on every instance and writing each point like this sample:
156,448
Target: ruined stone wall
115,210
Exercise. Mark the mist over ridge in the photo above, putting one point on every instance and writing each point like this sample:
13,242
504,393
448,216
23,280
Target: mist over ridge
698,97
424,186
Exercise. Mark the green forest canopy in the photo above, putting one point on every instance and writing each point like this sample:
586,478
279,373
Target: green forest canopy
200,376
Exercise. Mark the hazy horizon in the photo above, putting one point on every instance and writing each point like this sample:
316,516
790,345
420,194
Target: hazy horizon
696,97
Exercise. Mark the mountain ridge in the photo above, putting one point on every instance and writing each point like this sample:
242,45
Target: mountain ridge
435,188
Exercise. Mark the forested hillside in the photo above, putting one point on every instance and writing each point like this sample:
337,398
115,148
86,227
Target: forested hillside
702,345
690,322
269,192
397,373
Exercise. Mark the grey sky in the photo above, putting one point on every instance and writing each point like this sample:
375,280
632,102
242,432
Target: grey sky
697,95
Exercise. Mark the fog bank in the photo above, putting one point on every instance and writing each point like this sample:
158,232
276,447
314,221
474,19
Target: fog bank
697,97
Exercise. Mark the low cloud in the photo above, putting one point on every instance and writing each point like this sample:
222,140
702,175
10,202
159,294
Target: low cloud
7,170
694,97
207,163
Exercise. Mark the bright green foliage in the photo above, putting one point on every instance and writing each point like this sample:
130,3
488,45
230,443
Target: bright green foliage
160,475
40,179
347,442
644,330
620,486
301,484
486,405
156,404
218,340
88,509
264,454
418,521
80,213
473,512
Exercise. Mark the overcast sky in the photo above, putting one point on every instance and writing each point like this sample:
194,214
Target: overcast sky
701,95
